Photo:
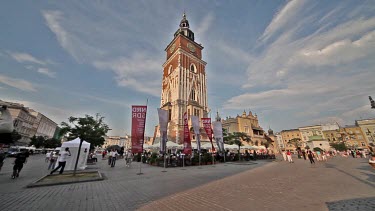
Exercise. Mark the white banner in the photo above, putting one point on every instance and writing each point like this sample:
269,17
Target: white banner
196,127
163,125
195,123
218,133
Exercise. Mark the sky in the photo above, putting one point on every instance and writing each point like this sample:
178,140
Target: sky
293,63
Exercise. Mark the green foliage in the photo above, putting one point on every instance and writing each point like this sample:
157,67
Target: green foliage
37,141
296,142
51,143
40,141
339,146
88,128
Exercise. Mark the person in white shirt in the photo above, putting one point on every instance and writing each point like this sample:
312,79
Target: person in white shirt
62,160
48,154
113,155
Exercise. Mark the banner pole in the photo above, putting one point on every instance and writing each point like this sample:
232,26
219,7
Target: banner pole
143,141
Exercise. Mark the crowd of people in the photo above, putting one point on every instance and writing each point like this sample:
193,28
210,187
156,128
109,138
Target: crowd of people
322,155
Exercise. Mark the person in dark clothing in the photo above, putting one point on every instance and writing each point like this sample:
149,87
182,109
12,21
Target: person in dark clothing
311,157
18,164
304,154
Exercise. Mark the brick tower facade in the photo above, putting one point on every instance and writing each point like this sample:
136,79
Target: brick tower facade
184,85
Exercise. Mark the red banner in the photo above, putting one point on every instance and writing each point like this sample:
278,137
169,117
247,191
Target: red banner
187,141
207,127
138,128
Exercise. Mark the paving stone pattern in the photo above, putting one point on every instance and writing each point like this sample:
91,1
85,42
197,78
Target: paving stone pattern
262,186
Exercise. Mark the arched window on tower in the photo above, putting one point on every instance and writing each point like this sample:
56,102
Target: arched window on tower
193,68
192,95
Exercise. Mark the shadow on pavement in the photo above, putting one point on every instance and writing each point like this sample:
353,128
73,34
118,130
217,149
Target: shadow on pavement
352,204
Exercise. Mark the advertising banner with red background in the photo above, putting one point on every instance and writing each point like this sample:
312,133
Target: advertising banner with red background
187,141
138,128
207,127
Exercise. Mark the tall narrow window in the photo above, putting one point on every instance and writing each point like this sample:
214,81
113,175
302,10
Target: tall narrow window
192,95
169,114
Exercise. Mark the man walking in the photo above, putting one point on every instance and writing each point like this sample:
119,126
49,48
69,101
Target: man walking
18,164
62,160
113,155
310,155
289,156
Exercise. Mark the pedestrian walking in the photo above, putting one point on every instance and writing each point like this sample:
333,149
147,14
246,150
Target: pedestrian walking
284,155
364,154
47,159
128,158
304,154
62,160
289,156
113,155
21,158
310,156
324,156
52,160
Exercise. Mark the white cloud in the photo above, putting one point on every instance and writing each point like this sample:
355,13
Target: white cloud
134,71
205,24
47,72
284,16
76,46
25,57
18,83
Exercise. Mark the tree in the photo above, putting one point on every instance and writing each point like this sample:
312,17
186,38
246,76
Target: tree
296,142
51,143
37,141
339,146
236,138
268,141
88,128
10,138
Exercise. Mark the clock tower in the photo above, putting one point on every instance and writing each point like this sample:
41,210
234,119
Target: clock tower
184,85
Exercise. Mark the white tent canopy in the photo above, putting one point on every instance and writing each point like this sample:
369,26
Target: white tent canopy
73,147
170,145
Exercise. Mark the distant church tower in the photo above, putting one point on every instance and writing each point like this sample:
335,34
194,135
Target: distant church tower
184,85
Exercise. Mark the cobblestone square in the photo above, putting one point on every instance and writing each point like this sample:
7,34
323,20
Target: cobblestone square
337,184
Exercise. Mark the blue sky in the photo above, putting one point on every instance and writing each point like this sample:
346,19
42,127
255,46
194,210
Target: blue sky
294,63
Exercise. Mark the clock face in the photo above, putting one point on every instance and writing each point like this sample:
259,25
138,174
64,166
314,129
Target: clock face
191,47
172,48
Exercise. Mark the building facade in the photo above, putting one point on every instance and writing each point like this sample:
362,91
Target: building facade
23,121
43,126
122,141
288,135
354,138
368,130
246,123
184,84
310,131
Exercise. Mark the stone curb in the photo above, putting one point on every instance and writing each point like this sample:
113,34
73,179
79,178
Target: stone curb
35,184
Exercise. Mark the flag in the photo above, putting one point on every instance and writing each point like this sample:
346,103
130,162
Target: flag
163,125
218,132
138,128
187,141
207,127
